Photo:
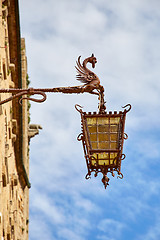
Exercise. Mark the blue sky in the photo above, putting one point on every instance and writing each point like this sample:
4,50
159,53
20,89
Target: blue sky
124,35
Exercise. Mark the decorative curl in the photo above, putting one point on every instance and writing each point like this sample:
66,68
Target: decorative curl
91,157
125,136
114,160
13,97
113,175
87,176
127,110
79,110
44,97
121,175
80,137
123,156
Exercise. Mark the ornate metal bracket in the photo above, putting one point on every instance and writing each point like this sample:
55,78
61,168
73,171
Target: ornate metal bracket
92,86
17,93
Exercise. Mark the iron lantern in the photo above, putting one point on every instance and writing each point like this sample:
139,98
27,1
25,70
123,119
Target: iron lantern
102,137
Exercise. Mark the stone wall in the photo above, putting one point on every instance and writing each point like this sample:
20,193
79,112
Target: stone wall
14,146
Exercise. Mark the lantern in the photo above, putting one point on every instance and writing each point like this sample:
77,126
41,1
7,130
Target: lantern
102,138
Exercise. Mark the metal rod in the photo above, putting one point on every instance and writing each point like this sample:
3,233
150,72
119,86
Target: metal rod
17,92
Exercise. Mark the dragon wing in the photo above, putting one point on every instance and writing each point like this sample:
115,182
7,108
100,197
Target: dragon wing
84,75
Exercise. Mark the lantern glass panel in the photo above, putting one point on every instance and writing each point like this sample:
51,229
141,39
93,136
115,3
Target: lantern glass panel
102,121
102,137
103,145
113,128
103,132
92,121
113,145
104,159
114,136
114,120
93,137
92,128
94,145
103,128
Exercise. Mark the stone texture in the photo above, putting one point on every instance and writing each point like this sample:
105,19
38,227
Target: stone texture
14,146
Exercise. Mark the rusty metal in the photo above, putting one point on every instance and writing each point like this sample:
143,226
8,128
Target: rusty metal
85,136
92,86
86,76
90,80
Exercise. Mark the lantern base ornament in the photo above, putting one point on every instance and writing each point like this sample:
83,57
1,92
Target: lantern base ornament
105,181
102,139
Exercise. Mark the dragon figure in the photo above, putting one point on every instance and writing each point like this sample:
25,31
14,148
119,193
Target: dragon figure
86,76
90,80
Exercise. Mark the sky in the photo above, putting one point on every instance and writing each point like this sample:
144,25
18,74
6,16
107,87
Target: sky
124,35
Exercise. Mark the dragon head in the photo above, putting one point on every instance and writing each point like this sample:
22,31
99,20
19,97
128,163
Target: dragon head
92,60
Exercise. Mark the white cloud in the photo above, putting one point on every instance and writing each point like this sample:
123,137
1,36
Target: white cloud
39,228
67,234
153,232
112,228
42,203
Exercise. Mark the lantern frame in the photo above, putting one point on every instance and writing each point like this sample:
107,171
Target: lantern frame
108,158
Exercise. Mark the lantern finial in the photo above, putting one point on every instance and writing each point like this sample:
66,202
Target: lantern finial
105,181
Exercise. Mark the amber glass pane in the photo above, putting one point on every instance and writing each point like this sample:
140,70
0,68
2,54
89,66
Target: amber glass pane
103,128
113,137
103,158
113,159
103,162
103,145
91,121
113,155
113,145
103,137
95,155
114,120
94,145
93,137
93,162
92,129
102,120
100,162
114,128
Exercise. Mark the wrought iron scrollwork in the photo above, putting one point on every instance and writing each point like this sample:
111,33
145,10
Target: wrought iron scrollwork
113,175
123,156
79,108
120,175
80,137
88,176
129,108
125,136
44,97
